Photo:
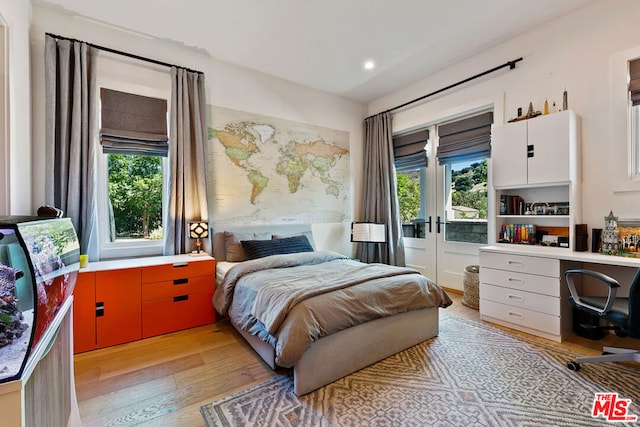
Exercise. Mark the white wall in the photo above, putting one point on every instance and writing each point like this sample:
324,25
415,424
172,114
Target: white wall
227,86
584,52
15,153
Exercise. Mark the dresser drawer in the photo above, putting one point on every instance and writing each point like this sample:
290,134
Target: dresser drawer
169,289
521,316
521,263
173,314
179,270
525,282
528,300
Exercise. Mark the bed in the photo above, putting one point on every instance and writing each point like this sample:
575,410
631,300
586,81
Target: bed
318,312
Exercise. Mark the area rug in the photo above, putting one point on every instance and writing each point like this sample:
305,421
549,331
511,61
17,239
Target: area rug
471,374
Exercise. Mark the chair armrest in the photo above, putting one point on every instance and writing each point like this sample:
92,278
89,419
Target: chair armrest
602,278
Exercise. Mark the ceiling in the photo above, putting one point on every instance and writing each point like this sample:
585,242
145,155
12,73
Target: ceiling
323,44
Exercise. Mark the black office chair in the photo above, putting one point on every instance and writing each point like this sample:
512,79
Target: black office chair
622,313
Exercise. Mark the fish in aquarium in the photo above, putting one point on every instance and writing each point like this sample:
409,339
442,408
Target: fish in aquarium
11,319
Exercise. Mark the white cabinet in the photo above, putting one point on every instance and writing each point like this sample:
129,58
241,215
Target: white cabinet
524,293
537,162
550,142
509,154
539,151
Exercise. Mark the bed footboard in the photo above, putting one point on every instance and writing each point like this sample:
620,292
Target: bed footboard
340,354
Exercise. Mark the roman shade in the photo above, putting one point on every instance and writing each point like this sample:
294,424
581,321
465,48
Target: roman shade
465,139
133,124
409,150
634,81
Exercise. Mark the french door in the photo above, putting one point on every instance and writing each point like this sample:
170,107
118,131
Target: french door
450,236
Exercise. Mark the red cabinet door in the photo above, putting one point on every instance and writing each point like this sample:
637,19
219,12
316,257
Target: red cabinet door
84,313
118,306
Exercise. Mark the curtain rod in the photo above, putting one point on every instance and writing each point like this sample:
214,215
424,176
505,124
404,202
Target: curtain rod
510,64
119,52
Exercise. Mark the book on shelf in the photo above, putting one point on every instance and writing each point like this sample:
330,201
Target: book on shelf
518,233
511,205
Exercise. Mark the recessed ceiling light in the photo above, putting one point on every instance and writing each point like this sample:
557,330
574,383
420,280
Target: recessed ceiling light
369,65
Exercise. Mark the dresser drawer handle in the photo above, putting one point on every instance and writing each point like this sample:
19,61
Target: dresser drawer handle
180,264
181,281
181,298
99,309
515,263
514,314
516,298
516,280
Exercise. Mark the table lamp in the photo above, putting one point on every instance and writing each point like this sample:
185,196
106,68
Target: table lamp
368,232
198,230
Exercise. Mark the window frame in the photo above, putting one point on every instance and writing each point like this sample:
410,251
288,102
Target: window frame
137,248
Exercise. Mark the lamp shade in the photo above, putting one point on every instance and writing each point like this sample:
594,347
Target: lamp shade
368,232
198,230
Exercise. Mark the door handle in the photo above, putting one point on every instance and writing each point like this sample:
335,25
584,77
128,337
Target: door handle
438,223
429,222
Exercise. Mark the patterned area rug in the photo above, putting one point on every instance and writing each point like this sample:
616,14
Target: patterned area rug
472,374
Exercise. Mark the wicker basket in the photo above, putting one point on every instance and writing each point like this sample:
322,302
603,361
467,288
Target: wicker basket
471,282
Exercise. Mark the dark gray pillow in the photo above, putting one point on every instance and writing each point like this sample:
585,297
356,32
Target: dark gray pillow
261,248
307,234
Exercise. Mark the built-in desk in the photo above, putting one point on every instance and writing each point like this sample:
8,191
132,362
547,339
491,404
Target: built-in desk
523,287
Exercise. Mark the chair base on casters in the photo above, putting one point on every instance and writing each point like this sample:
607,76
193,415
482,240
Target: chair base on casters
609,354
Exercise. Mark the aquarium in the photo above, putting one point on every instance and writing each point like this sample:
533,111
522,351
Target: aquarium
39,261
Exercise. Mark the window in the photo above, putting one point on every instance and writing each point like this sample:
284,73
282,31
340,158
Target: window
135,197
133,170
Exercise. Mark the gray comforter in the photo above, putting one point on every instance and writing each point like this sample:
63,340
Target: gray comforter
292,300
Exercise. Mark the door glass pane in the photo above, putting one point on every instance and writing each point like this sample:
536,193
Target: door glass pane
466,207
411,198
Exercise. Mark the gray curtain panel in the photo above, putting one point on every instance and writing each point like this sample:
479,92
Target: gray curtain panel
70,129
379,192
188,160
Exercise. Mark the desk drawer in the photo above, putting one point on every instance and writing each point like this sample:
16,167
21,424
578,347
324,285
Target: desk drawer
173,314
528,300
180,270
521,316
521,263
169,289
524,282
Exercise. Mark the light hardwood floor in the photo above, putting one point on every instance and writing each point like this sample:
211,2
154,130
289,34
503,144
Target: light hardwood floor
164,380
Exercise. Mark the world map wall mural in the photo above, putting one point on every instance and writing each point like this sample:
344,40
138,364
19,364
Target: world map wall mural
265,170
